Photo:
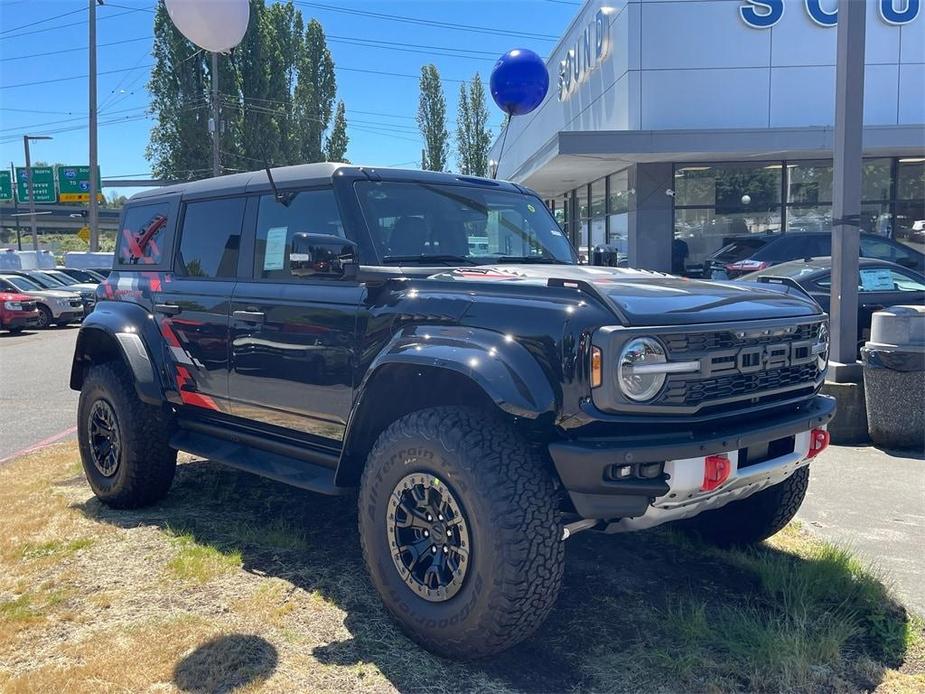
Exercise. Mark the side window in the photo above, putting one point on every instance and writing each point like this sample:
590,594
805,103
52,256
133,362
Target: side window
309,212
818,245
883,249
143,237
210,238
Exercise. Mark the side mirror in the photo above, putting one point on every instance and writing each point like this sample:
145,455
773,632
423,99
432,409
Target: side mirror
322,255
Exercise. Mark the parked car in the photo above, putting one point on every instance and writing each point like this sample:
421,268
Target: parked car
99,261
55,306
17,312
54,279
780,248
85,276
880,285
487,406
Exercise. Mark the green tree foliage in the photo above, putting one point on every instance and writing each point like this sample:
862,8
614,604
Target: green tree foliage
277,91
432,121
335,148
473,138
180,144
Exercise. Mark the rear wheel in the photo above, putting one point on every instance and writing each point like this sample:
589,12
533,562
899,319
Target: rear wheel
755,518
460,531
124,443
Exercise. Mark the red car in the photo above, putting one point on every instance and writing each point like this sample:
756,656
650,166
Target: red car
17,311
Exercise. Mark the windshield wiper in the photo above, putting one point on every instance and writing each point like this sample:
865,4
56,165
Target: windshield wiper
424,258
529,259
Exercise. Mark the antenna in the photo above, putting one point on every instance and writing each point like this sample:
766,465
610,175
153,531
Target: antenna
282,198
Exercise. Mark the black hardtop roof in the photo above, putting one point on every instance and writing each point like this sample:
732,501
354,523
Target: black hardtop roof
302,175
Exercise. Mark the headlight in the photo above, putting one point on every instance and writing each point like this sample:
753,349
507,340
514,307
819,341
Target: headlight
635,376
64,303
821,348
12,305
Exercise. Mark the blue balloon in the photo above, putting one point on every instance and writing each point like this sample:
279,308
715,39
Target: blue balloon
519,81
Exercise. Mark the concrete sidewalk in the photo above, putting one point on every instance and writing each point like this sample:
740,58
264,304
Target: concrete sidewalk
874,502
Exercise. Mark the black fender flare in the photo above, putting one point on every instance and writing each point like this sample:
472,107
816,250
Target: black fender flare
124,330
504,370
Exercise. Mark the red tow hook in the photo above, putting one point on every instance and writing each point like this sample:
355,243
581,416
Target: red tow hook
818,442
716,470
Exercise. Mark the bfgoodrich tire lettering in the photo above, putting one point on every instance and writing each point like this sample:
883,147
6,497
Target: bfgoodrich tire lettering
509,500
755,518
144,467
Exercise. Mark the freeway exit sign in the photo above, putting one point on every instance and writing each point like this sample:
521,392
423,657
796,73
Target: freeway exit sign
43,184
6,186
74,184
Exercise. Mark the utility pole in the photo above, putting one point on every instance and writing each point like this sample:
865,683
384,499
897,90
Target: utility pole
16,207
94,163
216,122
846,187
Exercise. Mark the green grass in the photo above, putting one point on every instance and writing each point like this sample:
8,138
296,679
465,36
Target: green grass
55,548
197,562
19,609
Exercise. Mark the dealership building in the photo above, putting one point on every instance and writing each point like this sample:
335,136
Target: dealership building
672,126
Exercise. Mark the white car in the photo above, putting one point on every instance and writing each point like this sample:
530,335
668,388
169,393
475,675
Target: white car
55,306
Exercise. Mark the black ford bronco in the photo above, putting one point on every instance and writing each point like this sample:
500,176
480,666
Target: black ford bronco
430,339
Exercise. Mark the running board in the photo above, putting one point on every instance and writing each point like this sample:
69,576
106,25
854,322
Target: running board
281,468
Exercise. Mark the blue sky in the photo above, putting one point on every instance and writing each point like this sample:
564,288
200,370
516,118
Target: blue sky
380,108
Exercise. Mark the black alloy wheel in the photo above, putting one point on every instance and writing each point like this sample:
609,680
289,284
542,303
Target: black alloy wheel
44,319
105,438
428,537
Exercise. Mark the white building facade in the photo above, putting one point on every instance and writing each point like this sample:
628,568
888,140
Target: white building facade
673,125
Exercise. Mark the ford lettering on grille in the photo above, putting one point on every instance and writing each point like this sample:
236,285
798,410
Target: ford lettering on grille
757,358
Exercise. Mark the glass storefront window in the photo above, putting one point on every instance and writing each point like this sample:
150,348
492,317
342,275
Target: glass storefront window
876,219
597,199
700,233
809,182
877,178
910,179
730,188
816,218
619,192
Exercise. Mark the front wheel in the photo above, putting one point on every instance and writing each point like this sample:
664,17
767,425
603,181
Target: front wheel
460,530
45,318
754,518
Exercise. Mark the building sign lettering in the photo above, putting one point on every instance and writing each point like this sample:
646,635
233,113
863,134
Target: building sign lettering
589,51
763,14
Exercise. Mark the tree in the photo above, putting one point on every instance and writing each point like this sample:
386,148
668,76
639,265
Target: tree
180,141
432,120
335,149
473,138
314,94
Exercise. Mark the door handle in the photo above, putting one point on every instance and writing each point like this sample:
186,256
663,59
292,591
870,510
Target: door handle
168,309
248,316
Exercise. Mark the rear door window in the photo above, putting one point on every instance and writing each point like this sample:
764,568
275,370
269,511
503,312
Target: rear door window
884,249
210,239
143,237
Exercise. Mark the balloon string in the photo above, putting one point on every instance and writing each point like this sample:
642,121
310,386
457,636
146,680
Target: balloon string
507,124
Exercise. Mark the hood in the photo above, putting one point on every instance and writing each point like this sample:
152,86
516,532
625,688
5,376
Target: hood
83,287
53,294
652,298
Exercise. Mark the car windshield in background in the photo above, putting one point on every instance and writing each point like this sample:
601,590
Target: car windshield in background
447,224
24,284
61,277
44,281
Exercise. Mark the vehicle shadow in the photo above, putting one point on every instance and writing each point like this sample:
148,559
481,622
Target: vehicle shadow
626,600
226,663
19,333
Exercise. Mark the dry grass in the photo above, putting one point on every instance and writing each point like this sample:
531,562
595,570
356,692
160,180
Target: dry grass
237,583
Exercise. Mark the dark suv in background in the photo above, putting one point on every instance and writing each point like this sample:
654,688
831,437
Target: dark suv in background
430,339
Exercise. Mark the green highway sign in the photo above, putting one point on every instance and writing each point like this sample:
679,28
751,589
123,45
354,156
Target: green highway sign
74,183
6,186
43,184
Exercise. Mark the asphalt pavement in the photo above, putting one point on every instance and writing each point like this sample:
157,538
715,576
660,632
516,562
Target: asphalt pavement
36,403
873,502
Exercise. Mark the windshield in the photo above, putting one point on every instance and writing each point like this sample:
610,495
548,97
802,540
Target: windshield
23,284
45,281
83,275
438,223
61,277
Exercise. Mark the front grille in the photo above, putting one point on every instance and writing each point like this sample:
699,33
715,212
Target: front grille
684,391
741,364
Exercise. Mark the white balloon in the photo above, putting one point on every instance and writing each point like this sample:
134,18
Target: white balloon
215,25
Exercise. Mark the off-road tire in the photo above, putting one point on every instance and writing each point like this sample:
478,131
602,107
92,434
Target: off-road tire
45,317
146,463
755,518
509,498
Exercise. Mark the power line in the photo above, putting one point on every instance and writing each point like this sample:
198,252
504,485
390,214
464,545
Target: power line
74,50
64,26
67,120
42,21
429,22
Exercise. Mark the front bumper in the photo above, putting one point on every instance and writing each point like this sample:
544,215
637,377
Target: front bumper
23,320
584,465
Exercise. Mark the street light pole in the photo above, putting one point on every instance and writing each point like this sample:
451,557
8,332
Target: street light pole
94,182
846,187
216,123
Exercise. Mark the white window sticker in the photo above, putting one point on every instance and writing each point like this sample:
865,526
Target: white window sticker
275,251
876,280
